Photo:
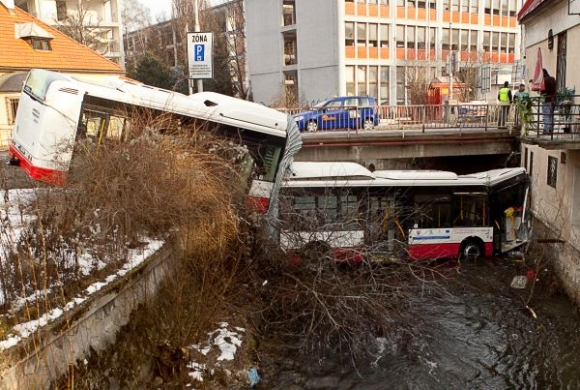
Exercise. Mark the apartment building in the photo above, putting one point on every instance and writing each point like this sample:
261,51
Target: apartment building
311,50
97,24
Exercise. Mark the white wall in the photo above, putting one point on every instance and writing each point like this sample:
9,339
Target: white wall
264,48
318,46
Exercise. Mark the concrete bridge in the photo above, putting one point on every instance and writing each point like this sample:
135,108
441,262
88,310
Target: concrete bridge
381,147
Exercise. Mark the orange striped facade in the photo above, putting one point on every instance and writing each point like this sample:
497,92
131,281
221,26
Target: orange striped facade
465,19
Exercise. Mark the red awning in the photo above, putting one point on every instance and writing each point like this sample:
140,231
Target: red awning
529,7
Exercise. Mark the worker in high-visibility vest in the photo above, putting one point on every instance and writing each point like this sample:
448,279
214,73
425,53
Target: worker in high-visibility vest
505,100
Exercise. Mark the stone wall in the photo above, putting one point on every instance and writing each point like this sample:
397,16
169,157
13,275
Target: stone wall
91,326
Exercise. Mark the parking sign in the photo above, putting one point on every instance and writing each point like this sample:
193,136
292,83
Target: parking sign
199,55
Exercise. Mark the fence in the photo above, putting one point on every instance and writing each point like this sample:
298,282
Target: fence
565,118
458,116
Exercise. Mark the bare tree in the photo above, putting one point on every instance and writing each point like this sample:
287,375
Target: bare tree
469,74
418,78
235,38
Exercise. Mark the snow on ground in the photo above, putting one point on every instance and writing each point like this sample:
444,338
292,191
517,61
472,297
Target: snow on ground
225,340
12,204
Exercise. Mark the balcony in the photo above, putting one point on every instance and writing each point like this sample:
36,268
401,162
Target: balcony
566,124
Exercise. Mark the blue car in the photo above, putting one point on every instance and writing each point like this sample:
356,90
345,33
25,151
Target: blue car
356,112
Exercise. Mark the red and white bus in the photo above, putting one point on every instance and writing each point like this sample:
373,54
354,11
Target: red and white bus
54,110
346,210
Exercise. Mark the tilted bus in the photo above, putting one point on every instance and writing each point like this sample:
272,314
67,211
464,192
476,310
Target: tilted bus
54,110
345,210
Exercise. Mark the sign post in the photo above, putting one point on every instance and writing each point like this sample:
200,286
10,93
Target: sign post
200,55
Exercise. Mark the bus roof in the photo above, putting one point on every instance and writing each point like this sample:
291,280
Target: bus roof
328,171
206,105
415,175
345,174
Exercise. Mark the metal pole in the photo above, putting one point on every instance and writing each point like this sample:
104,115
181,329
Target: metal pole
450,96
197,29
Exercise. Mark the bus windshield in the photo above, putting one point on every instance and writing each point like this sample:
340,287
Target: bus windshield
37,83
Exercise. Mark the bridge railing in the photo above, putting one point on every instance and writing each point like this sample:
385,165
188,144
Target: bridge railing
530,122
419,117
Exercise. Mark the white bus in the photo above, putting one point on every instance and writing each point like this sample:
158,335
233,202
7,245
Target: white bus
346,210
55,110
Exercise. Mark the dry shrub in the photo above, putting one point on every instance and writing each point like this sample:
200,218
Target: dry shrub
181,187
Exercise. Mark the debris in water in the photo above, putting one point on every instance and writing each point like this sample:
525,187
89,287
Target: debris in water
519,282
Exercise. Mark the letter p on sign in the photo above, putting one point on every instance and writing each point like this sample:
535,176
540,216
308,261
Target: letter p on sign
199,52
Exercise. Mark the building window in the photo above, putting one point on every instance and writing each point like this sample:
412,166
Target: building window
400,85
384,31
445,40
373,81
400,36
349,34
513,8
39,44
473,41
61,13
486,41
552,171
463,37
410,37
421,37
373,35
12,105
361,79
361,34
531,162
384,91
289,11
350,81
454,39
561,60
432,38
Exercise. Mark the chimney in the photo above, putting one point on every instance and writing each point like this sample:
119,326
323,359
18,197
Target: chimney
9,4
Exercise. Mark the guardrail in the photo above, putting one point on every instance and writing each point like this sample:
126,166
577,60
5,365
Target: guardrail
483,116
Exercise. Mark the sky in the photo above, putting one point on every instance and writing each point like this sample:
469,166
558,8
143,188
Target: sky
158,7
162,7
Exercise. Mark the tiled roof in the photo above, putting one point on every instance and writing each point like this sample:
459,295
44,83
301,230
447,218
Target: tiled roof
66,54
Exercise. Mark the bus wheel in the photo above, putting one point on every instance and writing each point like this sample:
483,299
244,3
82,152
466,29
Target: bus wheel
471,250
316,252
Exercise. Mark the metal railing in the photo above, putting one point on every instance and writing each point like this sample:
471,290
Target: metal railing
481,116
534,121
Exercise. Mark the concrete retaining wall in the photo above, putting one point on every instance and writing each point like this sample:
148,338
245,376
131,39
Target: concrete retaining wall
93,325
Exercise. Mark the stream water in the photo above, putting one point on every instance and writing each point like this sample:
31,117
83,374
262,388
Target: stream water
480,336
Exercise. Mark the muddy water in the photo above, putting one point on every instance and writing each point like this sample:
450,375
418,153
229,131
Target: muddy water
480,336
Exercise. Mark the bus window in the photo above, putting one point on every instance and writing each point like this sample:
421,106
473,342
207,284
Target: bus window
268,163
470,210
328,207
116,127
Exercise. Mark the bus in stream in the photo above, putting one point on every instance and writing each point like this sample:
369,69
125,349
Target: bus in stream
345,211
55,111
